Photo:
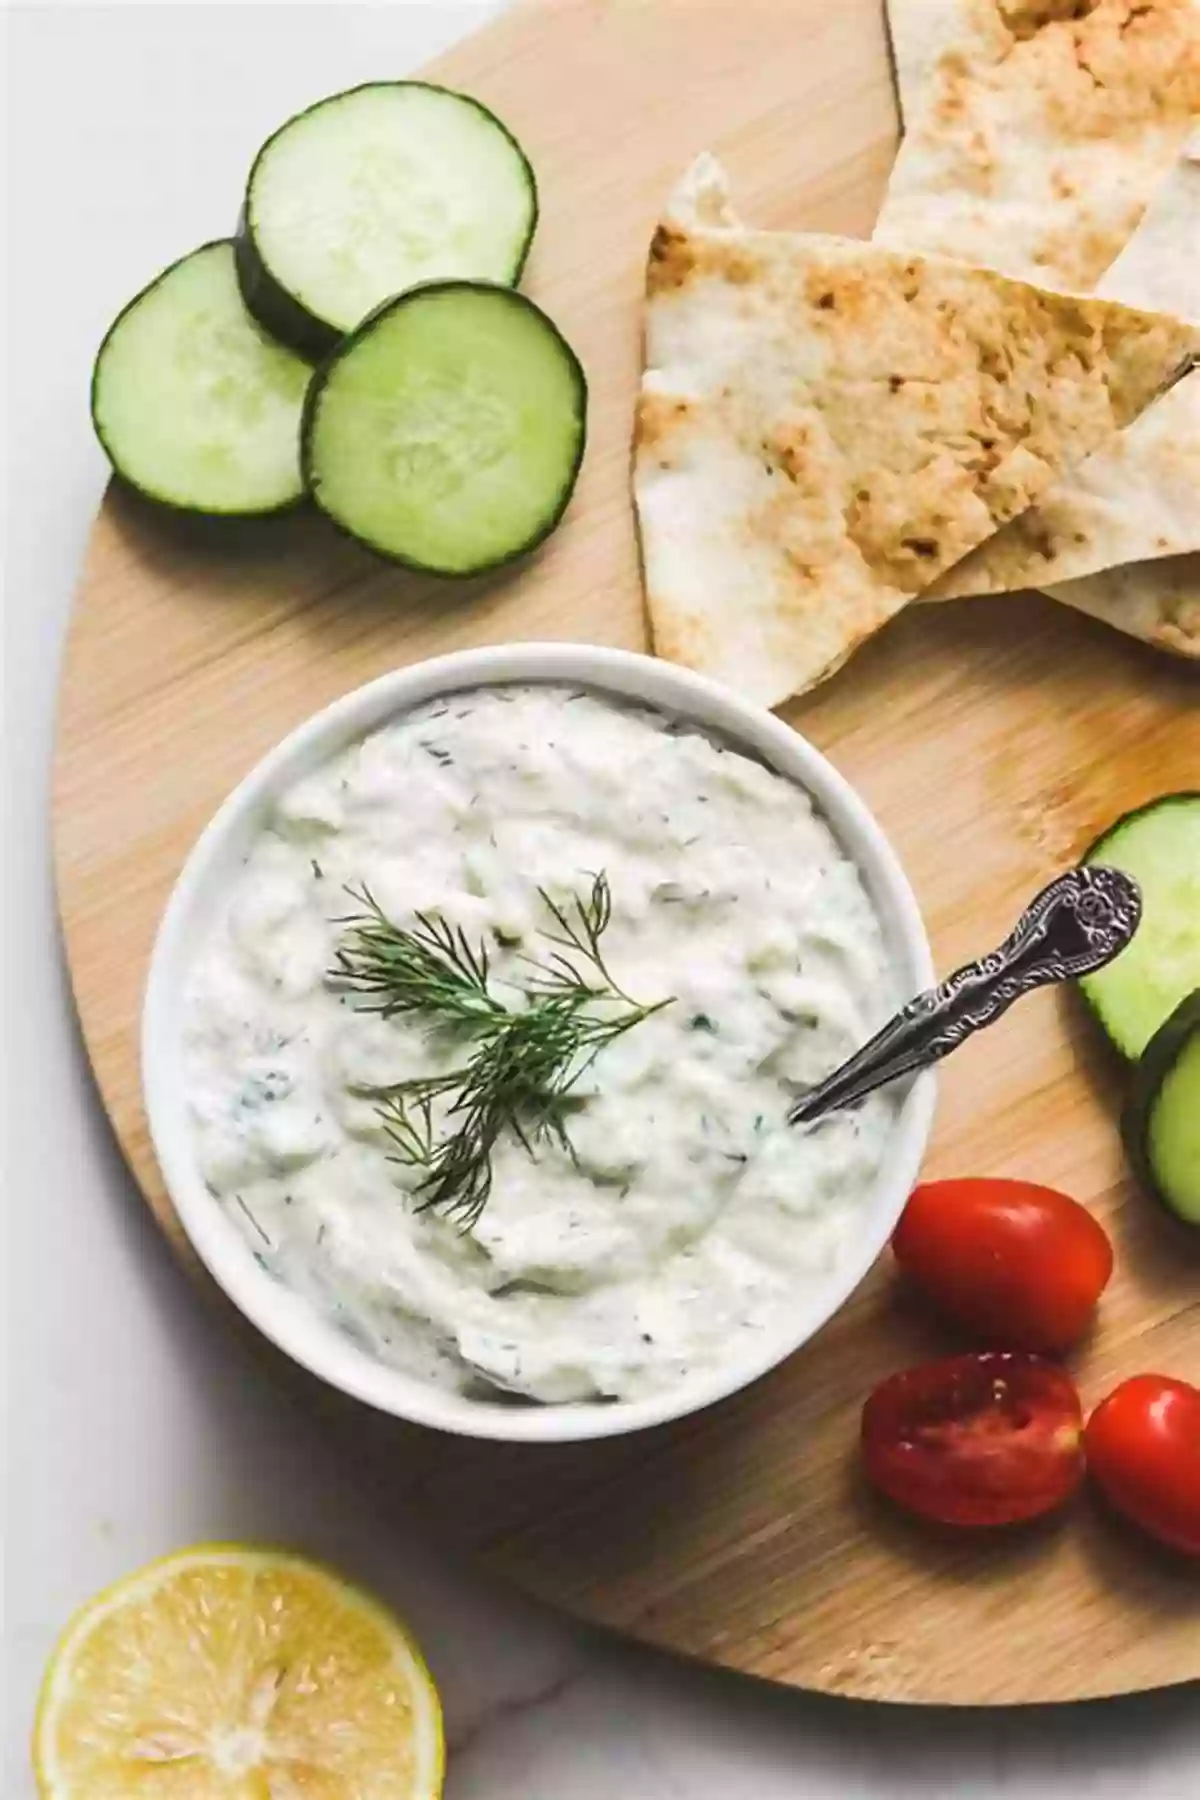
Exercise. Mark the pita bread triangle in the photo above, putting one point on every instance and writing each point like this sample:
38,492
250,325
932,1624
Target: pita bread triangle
1156,601
1140,497
825,426
972,72
1035,131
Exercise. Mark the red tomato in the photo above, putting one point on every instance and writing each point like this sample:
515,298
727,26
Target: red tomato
1020,1265
1143,1447
987,1439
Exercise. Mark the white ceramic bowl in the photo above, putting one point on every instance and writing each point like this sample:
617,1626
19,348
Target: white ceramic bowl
283,1316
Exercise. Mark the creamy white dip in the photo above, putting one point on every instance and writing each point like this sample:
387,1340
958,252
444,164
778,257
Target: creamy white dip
692,1218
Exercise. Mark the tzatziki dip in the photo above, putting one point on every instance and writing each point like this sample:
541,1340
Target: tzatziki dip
675,1222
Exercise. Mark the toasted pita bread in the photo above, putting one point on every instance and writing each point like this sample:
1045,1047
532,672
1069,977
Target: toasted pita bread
1037,126
1154,508
1140,498
1137,500
825,426
1156,601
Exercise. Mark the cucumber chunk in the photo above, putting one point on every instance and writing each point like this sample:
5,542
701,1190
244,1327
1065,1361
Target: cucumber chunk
1159,845
448,430
371,192
1162,1121
195,405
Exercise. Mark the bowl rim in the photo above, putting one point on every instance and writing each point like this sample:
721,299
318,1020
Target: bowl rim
285,1317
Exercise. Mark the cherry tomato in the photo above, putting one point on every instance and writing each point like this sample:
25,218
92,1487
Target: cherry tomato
987,1439
1143,1447
1020,1265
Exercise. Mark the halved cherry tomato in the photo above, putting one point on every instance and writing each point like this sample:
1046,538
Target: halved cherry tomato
1020,1265
988,1439
1143,1447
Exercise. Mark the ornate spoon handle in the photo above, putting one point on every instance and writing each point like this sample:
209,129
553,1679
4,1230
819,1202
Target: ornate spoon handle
1077,924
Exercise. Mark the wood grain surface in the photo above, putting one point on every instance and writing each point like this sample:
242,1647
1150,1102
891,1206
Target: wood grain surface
992,739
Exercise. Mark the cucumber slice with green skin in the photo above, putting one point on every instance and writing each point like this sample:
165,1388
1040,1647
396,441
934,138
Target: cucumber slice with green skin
1159,845
195,405
448,430
371,192
1162,1120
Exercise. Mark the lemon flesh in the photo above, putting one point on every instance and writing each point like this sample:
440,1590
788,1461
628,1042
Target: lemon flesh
236,1674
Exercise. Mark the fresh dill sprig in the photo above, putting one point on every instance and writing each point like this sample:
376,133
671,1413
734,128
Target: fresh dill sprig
519,1076
580,928
426,968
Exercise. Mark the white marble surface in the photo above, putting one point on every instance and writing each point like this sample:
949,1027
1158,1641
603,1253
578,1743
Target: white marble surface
132,1425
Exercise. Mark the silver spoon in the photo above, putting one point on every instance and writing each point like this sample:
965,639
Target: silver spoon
1077,924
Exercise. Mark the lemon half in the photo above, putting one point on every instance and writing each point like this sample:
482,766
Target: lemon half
227,1673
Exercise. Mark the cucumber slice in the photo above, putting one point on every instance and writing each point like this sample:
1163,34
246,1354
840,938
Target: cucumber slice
1162,1120
194,404
373,191
1159,845
448,430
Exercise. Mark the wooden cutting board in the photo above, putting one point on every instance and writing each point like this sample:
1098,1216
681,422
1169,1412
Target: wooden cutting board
992,739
